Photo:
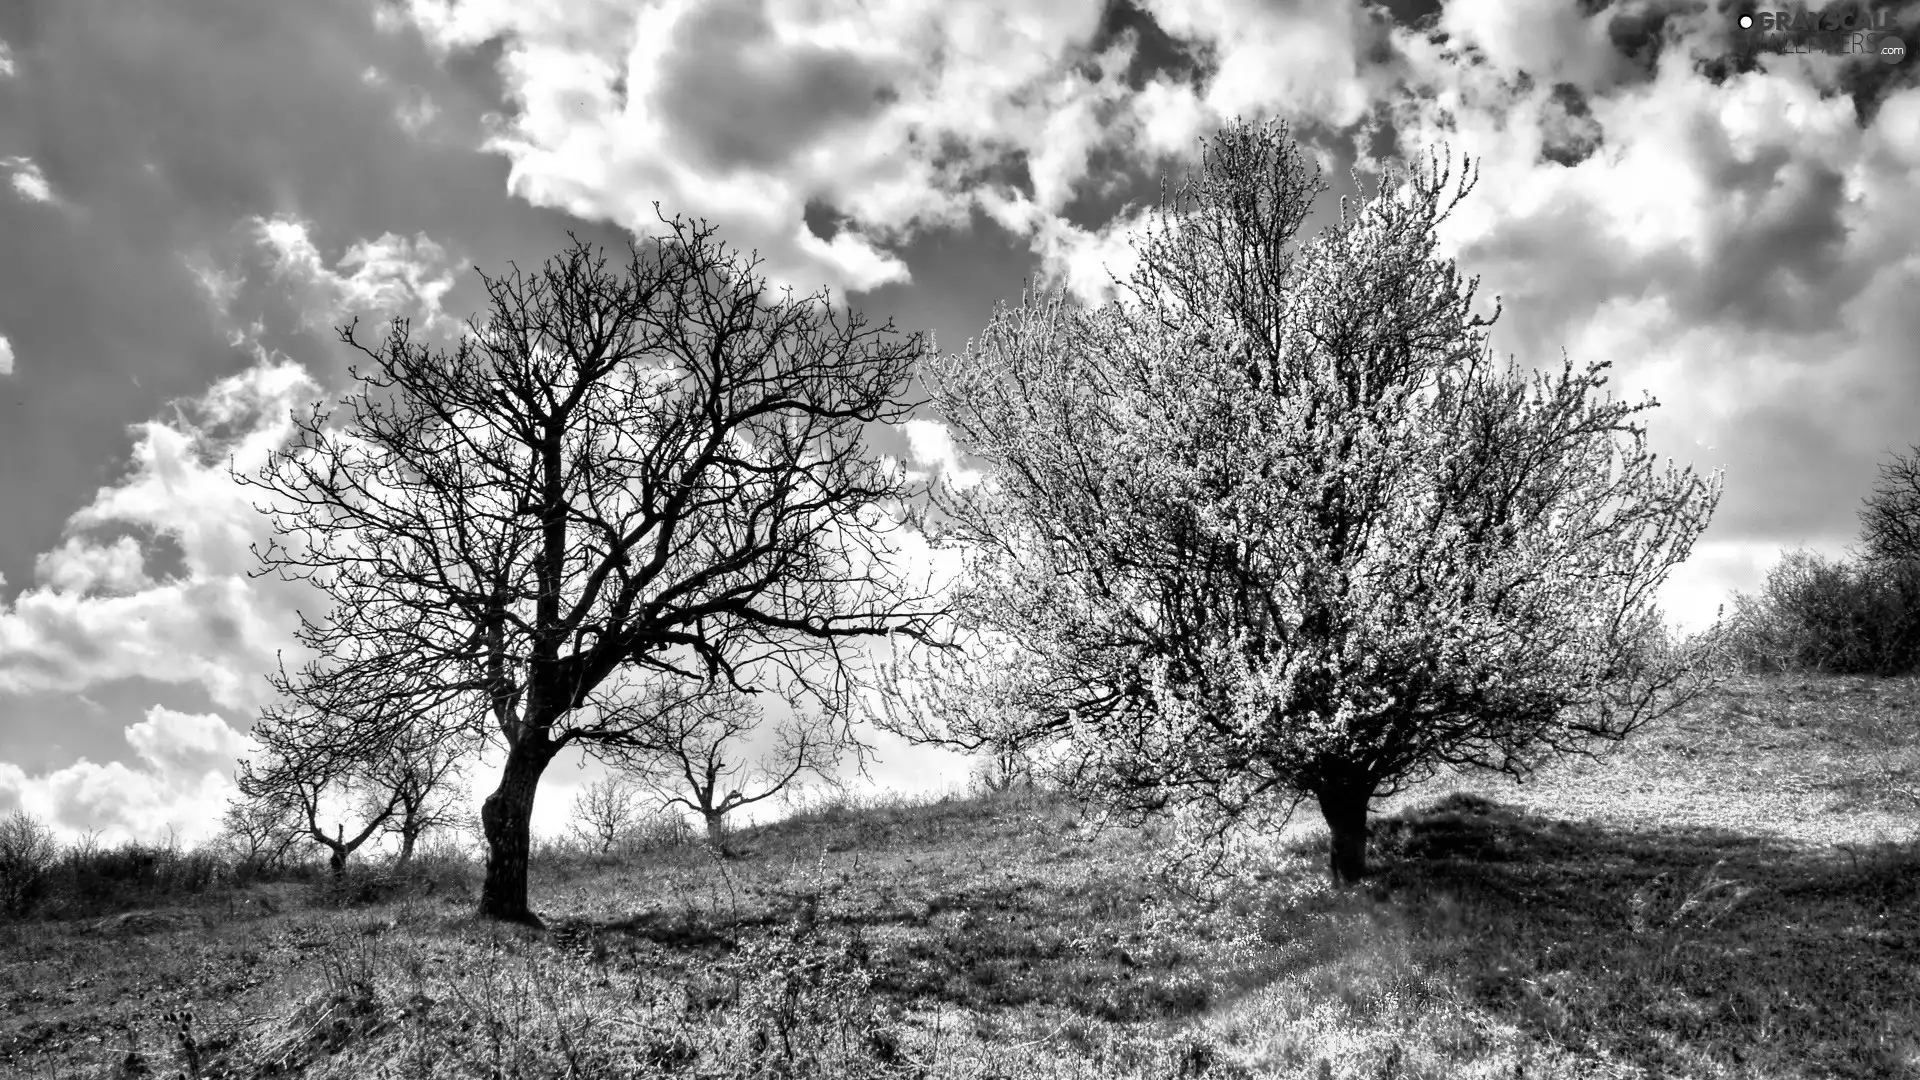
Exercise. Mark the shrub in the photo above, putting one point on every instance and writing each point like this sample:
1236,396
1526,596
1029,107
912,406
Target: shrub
1831,616
90,880
28,851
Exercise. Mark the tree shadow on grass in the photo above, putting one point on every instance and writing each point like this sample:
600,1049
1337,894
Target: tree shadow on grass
1673,948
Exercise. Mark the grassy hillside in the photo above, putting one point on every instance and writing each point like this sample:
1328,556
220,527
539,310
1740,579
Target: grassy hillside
1733,894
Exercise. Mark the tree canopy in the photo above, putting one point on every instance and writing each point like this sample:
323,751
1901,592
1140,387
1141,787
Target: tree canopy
1273,524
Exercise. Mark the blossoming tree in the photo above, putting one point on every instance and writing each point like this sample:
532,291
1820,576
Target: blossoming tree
1272,525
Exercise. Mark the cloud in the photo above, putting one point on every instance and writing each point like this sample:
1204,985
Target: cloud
1736,241
1296,60
6,61
28,181
97,612
6,355
1089,262
1551,40
79,565
392,275
894,116
96,615
180,781
931,445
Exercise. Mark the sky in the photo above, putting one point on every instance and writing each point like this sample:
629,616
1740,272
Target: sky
194,193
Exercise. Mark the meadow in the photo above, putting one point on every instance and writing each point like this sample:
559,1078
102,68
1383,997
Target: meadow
1734,892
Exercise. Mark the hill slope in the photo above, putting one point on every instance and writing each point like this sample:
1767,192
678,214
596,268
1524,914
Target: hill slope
1733,894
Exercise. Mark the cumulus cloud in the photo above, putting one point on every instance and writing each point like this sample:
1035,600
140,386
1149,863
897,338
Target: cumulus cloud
392,275
6,61
98,611
28,181
1551,40
82,566
179,783
1089,262
1296,60
896,116
6,355
931,446
1735,240
96,615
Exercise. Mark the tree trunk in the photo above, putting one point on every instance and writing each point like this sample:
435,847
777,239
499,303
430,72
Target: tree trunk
337,862
507,817
407,834
1345,809
716,831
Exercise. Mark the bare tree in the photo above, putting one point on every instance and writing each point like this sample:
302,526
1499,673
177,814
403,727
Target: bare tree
661,469
404,785
1273,526
1890,519
606,810
28,851
276,783
694,746
258,835
1889,552
425,777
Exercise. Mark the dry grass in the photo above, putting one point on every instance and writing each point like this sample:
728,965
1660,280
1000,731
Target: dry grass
1735,894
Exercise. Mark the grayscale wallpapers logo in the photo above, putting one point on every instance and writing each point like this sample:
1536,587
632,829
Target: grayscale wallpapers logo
1854,31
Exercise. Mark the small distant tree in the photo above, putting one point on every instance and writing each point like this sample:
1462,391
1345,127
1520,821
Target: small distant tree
404,786
1273,525
426,778
1003,766
693,747
1890,519
257,836
606,810
274,782
28,852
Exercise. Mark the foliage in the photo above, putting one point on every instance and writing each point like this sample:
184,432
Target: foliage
1273,525
1851,616
92,878
656,470
28,851
1836,616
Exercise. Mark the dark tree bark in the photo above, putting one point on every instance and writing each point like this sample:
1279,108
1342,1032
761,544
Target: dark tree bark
717,830
507,817
1345,809
339,846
